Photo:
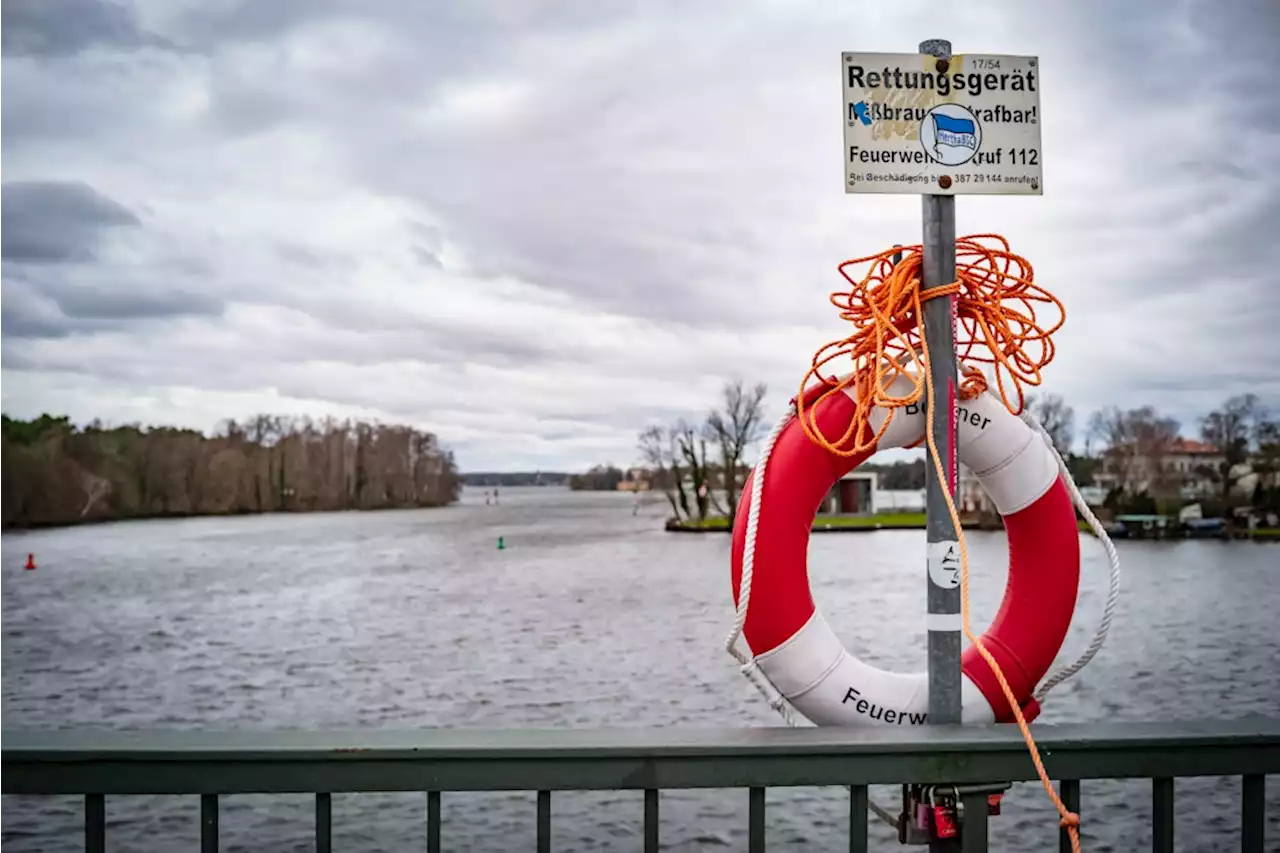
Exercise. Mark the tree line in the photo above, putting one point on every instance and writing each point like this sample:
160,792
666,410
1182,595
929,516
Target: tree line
57,473
1136,444
700,467
514,478
1133,446
598,478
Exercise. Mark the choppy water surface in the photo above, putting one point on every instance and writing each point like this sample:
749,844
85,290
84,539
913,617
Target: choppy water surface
592,616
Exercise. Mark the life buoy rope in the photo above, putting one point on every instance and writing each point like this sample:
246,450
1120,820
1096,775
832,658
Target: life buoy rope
1113,572
996,314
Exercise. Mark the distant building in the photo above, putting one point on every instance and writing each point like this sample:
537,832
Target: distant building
973,498
1187,468
853,494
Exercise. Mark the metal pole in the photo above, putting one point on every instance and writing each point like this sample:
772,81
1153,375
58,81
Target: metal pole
943,555
939,217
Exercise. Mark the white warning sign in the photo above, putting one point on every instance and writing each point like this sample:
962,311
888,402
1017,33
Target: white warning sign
922,125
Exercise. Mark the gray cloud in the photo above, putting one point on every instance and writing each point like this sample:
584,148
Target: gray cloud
99,305
309,258
49,307
56,221
1209,180
64,27
536,226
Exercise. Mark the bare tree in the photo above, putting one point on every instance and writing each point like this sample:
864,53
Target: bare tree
1135,443
734,428
1057,418
657,450
1230,430
1267,439
692,445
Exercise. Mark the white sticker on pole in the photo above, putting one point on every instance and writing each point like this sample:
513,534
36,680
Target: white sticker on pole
966,125
944,563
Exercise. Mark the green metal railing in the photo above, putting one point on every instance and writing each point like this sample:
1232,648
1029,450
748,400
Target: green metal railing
209,764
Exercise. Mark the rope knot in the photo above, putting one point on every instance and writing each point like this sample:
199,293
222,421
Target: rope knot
973,383
943,290
1069,821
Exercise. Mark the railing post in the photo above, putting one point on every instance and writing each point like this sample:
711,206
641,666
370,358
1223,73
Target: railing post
858,804
973,827
208,823
544,822
433,822
1069,792
95,823
651,820
755,821
324,822
1253,816
1162,815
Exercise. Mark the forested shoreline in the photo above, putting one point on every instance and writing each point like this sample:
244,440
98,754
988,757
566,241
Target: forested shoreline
55,473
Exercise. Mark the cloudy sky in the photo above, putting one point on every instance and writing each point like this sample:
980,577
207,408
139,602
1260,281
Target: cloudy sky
535,227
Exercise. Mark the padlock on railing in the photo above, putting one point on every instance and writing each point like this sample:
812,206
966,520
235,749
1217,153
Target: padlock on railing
915,823
945,819
924,817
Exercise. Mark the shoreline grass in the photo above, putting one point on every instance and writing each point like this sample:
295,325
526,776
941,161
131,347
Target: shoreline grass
880,521
901,521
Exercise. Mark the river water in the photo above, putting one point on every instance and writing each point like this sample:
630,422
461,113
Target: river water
591,616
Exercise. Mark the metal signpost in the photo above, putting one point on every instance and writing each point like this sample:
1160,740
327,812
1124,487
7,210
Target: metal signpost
938,125
939,218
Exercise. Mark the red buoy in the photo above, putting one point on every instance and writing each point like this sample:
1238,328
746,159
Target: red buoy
31,563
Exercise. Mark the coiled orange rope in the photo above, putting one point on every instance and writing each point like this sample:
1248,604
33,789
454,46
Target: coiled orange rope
997,323
996,314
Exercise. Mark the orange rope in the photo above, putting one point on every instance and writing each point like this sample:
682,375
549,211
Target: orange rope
997,324
1067,818
995,310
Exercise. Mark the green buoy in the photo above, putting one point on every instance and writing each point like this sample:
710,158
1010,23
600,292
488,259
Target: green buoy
501,544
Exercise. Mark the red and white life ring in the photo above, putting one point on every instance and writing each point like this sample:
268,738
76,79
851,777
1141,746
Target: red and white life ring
795,648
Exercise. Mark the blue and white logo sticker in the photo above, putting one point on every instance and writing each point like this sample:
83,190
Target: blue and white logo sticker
950,134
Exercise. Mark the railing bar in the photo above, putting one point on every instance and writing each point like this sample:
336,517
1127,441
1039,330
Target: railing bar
1253,819
95,823
650,820
1162,815
433,822
973,826
208,823
858,819
544,822
1069,792
755,821
324,822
